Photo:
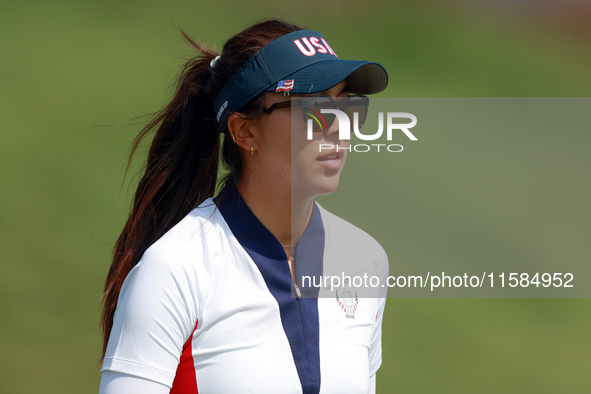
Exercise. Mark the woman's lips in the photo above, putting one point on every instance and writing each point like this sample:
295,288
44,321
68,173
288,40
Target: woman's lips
331,160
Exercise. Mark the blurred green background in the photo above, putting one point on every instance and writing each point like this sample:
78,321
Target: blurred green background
75,75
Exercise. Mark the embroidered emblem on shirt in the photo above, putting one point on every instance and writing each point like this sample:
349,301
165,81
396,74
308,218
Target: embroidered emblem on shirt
347,300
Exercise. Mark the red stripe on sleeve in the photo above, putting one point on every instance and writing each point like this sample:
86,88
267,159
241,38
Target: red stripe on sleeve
185,381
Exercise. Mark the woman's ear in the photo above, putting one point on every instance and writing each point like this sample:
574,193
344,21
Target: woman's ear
242,132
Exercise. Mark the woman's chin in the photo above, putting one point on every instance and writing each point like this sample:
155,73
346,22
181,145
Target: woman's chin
316,187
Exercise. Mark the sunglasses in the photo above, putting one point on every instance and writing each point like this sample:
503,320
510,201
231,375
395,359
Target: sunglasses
313,105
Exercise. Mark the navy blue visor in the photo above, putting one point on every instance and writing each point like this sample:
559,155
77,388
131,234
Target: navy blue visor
300,62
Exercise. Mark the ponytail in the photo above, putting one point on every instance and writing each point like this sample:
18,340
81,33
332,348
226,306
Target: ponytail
182,165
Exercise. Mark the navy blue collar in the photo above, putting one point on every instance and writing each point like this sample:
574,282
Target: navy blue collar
299,316
256,238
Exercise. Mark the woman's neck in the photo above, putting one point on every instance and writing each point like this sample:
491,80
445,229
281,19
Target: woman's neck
284,215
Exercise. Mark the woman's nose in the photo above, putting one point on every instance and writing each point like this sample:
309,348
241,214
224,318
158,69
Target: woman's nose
334,130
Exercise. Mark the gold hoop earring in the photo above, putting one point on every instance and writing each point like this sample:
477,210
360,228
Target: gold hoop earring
252,150
233,139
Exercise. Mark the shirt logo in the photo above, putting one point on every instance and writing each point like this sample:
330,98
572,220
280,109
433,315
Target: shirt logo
284,86
348,301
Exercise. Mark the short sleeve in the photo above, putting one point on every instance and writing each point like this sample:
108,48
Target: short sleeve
371,389
375,351
156,314
116,383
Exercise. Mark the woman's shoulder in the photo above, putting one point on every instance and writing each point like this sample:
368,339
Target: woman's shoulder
193,236
353,252
194,226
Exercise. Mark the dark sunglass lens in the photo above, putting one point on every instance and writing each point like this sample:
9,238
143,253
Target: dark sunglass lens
359,105
313,110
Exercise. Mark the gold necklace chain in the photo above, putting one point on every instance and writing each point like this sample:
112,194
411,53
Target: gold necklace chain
291,254
291,258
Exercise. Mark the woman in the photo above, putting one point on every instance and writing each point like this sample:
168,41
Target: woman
202,295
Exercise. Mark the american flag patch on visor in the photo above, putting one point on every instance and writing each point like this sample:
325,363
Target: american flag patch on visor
284,86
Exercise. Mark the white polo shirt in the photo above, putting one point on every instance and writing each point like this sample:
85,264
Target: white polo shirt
210,308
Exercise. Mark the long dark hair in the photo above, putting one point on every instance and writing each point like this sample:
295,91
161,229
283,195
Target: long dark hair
182,165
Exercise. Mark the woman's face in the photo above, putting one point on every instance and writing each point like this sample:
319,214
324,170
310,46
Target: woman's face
284,147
